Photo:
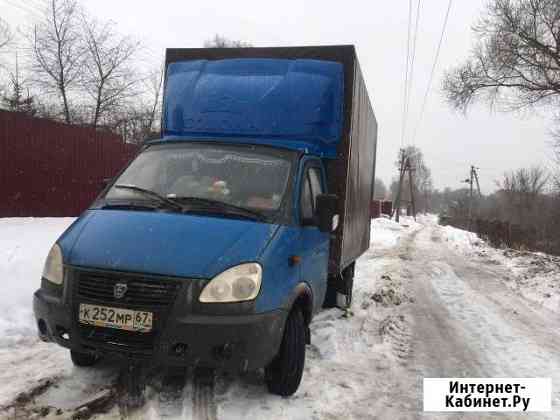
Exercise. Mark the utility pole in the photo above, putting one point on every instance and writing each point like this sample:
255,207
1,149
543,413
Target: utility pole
404,167
397,206
470,196
477,183
411,184
473,176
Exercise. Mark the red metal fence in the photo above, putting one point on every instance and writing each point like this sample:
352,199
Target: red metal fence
53,169
387,207
375,209
379,207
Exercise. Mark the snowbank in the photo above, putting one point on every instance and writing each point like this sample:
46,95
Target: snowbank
461,240
534,275
386,233
24,245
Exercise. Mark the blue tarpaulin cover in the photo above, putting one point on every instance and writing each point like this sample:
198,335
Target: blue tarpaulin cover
289,103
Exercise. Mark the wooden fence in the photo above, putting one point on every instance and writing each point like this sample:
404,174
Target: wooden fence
53,169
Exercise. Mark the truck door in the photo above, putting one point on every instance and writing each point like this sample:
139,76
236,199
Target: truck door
314,244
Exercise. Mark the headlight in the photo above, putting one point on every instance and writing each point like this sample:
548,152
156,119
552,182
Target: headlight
53,266
236,284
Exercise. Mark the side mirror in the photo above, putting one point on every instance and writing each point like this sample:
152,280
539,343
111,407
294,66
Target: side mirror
327,212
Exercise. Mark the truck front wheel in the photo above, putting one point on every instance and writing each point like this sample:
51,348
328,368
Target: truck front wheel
83,359
283,374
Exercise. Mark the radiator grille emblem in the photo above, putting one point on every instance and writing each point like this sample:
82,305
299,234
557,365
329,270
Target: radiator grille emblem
120,290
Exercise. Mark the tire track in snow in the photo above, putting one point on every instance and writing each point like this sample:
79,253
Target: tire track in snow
131,392
23,407
171,394
396,330
204,407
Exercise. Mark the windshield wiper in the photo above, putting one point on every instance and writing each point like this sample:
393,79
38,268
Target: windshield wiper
217,204
163,200
128,206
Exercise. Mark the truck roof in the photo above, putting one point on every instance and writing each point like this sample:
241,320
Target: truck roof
293,97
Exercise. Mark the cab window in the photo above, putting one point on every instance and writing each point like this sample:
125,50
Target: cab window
306,199
310,189
316,187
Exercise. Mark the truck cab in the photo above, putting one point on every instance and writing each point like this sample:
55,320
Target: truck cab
219,242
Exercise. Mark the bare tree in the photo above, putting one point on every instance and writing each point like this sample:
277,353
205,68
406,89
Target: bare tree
422,179
521,190
516,61
154,85
138,120
219,41
132,123
57,51
109,78
422,174
5,33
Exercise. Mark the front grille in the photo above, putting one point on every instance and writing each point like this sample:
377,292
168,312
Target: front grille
125,340
140,291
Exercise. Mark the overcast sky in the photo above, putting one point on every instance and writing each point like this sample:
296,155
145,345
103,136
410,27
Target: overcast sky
450,141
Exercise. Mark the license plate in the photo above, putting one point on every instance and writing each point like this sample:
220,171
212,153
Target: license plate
118,318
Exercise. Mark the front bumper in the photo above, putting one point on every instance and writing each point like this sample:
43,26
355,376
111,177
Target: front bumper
230,337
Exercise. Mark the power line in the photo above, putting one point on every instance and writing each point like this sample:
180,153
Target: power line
434,65
40,5
411,78
22,8
405,99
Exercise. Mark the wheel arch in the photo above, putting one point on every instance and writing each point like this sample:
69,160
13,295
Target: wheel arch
302,297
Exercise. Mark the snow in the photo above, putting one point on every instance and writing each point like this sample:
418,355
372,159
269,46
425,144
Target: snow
461,239
534,275
386,233
429,301
24,245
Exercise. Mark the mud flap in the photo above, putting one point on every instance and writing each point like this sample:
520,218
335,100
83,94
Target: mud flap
339,289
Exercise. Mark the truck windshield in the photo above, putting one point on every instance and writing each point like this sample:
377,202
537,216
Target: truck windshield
248,177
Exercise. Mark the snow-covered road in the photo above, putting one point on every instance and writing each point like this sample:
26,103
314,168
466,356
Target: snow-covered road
467,324
422,308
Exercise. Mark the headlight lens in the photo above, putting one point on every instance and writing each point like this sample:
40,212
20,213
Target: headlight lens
236,284
53,271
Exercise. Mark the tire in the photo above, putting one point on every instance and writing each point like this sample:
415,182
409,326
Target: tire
83,359
283,375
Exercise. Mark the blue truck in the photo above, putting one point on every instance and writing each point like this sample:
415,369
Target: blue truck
219,241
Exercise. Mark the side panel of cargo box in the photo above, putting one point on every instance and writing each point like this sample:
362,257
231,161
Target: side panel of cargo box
351,175
361,174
